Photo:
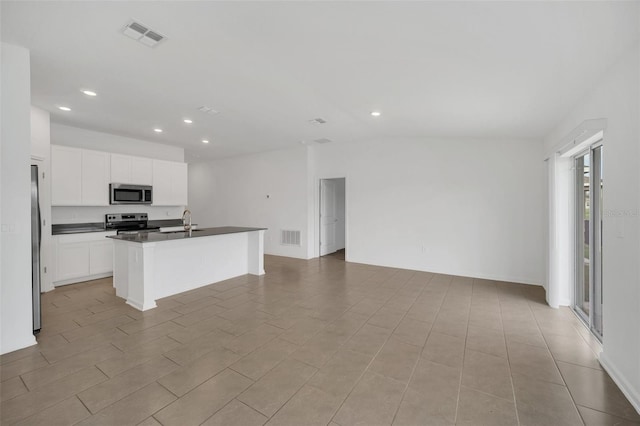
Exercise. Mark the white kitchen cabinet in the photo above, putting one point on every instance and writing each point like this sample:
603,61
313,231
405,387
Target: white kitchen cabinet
95,178
82,257
100,257
169,183
66,176
72,261
131,170
79,177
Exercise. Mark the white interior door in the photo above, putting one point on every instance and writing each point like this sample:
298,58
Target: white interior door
328,216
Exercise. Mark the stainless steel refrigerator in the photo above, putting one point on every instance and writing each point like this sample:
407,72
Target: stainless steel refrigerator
35,249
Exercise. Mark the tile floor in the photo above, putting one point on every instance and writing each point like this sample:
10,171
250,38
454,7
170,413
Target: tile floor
319,342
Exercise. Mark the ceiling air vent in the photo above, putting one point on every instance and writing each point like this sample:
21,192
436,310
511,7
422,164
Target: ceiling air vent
207,110
318,121
322,140
142,33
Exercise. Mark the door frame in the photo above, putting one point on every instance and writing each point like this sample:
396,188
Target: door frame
316,215
587,319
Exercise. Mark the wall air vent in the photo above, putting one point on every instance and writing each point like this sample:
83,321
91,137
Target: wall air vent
318,121
289,238
142,33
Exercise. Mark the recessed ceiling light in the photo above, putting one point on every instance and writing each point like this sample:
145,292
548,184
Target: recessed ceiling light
188,121
376,113
64,108
205,141
89,93
157,130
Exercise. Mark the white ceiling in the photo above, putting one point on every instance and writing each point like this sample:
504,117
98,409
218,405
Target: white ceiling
454,69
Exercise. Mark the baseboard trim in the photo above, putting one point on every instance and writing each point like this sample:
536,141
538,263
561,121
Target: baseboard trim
627,389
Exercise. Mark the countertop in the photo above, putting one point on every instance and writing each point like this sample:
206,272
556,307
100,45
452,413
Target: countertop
78,228
156,237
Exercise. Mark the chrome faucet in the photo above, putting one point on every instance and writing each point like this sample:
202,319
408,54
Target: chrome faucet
186,220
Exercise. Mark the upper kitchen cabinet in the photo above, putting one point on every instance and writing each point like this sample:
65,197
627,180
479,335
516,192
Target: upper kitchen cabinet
169,183
79,177
95,178
66,176
131,170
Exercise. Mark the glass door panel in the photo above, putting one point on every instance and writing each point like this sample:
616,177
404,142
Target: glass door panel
596,223
583,247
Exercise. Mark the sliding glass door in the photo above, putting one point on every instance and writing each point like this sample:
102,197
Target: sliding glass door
588,284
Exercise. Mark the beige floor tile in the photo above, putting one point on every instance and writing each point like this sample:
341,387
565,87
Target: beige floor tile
252,340
205,400
341,373
573,350
594,389
12,388
140,339
477,408
432,396
236,413
150,421
270,393
374,401
133,409
84,344
533,361
489,341
368,340
68,412
412,331
302,330
144,353
127,382
598,418
22,366
42,398
259,362
386,318
541,403
188,352
417,410
182,380
319,349
21,353
396,360
310,407
150,320
487,373
69,366
444,349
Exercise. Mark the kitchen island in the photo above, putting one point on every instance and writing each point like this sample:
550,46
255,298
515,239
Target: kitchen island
150,266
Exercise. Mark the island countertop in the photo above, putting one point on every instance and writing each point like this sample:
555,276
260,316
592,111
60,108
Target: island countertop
156,237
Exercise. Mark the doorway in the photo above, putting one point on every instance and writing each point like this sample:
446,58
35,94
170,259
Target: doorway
332,241
588,270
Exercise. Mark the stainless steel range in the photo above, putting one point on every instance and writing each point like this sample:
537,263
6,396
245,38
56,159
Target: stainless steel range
129,223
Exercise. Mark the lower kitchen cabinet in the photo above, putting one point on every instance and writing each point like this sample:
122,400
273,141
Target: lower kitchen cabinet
82,257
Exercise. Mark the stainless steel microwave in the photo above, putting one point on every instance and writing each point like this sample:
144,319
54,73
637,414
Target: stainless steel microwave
120,193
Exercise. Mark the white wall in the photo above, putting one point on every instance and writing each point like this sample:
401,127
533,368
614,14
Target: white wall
616,99
262,190
99,141
15,208
469,208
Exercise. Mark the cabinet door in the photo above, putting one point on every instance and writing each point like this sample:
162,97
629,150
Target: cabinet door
179,184
141,171
95,178
120,168
73,260
66,176
100,257
162,175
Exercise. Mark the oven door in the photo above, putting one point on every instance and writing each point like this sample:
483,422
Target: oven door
129,194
